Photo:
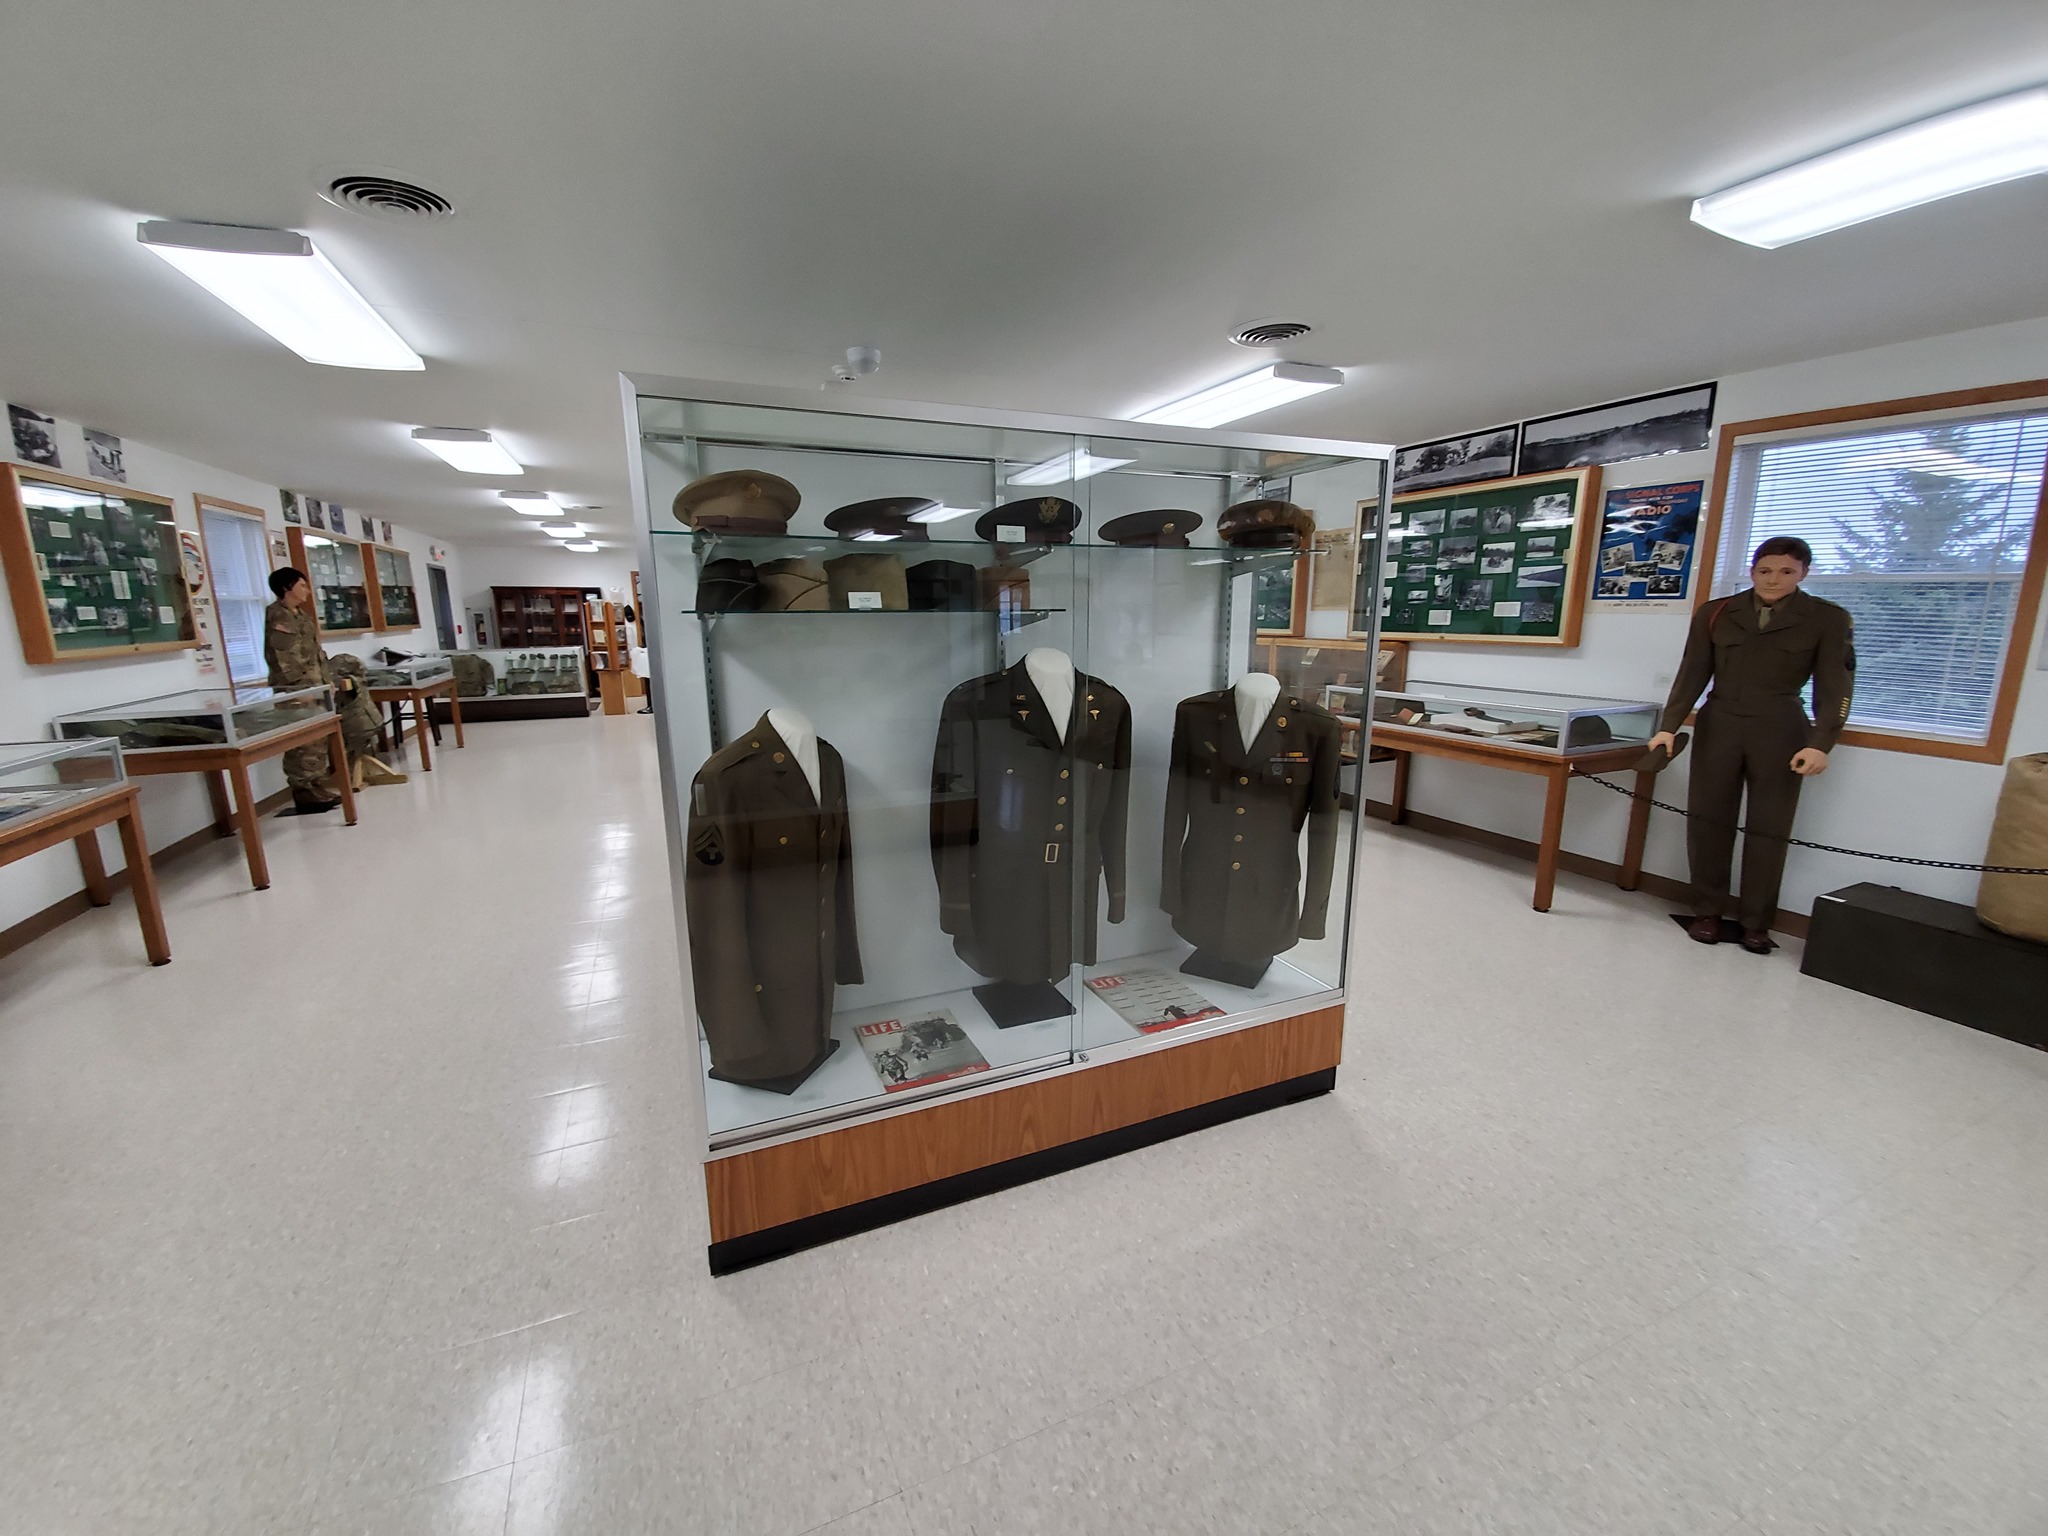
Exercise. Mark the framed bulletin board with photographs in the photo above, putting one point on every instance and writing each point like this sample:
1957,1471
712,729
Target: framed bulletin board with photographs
94,570
1280,596
1504,562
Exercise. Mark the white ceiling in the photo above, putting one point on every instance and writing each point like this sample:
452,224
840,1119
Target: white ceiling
1480,204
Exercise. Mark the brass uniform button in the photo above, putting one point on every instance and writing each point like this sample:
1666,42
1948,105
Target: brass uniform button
753,744
1240,810
1059,826
1063,773
1237,866
1062,800
757,986
1237,837
782,840
1242,779
778,757
1281,722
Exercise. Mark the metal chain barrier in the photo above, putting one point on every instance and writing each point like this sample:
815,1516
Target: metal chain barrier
1800,842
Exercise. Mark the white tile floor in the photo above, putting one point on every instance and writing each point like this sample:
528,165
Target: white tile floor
376,1212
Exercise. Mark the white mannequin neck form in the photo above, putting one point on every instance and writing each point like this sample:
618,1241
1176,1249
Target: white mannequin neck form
801,737
1256,694
1052,674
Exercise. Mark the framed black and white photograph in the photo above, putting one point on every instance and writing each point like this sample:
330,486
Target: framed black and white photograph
1497,521
1462,550
1488,455
289,500
1475,597
389,537
103,456
315,515
35,436
1676,421
1496,559
1541,576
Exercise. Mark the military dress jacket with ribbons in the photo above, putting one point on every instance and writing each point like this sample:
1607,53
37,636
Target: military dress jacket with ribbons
1026,826
1762,670
768,900
1231,874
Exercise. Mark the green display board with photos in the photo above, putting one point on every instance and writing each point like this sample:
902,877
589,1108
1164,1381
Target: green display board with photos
1502,562
92,569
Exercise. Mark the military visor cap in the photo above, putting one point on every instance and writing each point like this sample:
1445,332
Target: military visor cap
738,501
885,517
1162,528
1266,525
1035,520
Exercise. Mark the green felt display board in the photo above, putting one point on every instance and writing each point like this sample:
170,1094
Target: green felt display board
1497,561
107,566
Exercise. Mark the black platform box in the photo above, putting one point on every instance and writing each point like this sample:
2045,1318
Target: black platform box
1933,956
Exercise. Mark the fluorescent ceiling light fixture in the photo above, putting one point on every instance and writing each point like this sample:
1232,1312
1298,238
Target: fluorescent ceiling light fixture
1959,151
1075,464
531,503
1248,395
278,280
583,546
469,449
561,530
941,513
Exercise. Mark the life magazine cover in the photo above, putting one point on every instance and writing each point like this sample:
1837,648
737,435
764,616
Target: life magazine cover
1150,1001
907,1053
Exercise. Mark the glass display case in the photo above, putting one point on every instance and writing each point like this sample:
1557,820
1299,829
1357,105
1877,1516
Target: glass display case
1551,723
341,595
541,669
960,795
95,570
199,717
409,671
398,602
40,776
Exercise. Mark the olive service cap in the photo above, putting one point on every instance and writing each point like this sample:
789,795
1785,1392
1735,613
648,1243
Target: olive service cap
795,585
867,576
1656,760
885,514
739,501
1162,528
1266,525
1043,519
728,586
942,586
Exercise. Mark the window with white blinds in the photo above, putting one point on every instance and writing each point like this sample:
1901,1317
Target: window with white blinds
239,558
1922,533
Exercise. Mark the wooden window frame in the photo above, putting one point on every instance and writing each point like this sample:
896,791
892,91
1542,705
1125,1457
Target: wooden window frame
2026,615
201,504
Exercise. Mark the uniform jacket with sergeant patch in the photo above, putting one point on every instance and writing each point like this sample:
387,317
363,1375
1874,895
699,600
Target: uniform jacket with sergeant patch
768,899
1760,671
1025,826
1231,871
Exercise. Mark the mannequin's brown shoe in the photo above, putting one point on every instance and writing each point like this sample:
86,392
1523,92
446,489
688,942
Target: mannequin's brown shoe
1704,930
1758,941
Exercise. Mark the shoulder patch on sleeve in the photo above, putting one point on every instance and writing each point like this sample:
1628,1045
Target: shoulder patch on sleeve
708,846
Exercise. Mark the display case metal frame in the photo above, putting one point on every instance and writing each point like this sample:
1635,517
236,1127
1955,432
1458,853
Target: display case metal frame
76,819
791,1184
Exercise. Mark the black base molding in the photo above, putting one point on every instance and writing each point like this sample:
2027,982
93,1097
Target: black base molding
514,706
737,1253
1933,956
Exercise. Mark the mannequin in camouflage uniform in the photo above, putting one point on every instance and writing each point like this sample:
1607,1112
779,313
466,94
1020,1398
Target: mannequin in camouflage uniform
291,648
360,726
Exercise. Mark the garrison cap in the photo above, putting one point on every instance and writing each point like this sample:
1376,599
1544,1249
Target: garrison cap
795,585
728,586
866,582
942,586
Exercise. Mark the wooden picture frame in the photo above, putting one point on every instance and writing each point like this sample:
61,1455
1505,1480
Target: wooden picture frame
1573,562
201,505
1267,576
26,582
378,611
300,538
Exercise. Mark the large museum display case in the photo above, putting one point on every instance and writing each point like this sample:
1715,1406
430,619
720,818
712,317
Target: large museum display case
93,570
341,589
523,683
1518,717
199,717
41,776
398,602
992,839
409,671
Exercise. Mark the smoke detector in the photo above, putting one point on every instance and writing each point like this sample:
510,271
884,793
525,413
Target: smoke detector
1269,333
386,197
859,363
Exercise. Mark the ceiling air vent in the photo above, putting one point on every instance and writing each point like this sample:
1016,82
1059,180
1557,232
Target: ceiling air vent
1269,333
387,197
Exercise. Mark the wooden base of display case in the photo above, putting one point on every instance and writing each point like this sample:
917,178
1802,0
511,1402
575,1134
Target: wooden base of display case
797,1194
515,706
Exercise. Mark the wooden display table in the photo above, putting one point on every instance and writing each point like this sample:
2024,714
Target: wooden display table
228,764
420,695
78,822
1556,769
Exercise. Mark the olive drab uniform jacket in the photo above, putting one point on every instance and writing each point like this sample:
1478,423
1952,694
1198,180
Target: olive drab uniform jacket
768,900
1759,670
1025,826
1231,875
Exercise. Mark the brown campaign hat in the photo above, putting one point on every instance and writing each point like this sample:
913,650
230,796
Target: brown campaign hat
1161,528
1034,520
738,501
883,517
1266,525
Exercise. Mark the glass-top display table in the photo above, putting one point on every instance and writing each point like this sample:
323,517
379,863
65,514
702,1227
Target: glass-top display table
219,734
65,791
409,686
1557,737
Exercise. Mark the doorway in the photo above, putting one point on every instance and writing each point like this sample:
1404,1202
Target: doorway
444,612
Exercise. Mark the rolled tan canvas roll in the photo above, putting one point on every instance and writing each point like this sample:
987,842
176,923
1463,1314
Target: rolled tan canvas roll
2018,904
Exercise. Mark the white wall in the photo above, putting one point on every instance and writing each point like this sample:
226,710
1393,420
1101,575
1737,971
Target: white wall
1886,801
485,566
30,697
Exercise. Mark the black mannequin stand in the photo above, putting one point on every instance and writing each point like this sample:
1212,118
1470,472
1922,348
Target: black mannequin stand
1218,967
1011,1003
789,1082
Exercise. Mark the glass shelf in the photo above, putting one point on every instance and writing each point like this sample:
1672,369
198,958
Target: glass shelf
774,546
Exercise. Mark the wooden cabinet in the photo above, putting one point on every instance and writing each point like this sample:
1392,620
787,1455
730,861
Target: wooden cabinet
540,615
